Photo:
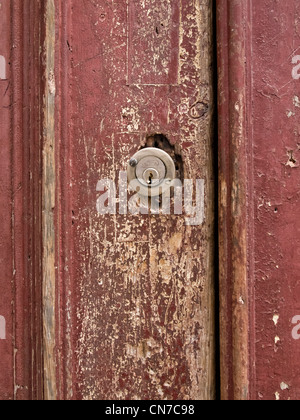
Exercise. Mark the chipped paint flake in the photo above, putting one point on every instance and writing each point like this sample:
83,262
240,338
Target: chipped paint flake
275,319
290,114
296,101
284,386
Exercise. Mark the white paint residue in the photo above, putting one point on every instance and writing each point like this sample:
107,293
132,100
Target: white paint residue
51,83
241,300
284,386
290,114
275,319
296,101
131,119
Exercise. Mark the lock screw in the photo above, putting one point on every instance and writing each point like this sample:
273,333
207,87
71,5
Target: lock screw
133,163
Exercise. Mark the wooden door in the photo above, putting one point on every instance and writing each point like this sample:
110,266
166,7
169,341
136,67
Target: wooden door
115,306
135,293
100,303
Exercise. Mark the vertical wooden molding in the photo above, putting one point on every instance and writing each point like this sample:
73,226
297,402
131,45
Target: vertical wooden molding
259,197
66,312
21,27
234,197
49,300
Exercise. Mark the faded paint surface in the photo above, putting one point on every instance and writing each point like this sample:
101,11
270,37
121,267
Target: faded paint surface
276,200
20,238
136,294
259,130
6,294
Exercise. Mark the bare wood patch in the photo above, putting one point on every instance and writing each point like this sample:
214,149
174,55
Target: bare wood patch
48,182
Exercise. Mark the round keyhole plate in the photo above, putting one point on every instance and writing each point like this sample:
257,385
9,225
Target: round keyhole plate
152,172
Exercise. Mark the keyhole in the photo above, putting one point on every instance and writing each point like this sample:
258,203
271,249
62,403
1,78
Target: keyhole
150,178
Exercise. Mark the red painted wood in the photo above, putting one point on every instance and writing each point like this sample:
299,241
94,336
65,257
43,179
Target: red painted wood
6,251
259,103
143,43
259,175
20,246
277,184
118,333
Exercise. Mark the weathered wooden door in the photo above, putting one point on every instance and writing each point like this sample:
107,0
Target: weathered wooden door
134,293
103,296
117,305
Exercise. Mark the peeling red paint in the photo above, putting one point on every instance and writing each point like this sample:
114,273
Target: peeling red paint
6,297
20,301
139,290
120,307
257,45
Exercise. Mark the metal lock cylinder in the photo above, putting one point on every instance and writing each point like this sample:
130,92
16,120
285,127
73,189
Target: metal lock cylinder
151,170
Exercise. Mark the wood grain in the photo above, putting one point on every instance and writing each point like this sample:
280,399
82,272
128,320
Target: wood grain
20,202
136,294
48,203
258,44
